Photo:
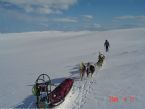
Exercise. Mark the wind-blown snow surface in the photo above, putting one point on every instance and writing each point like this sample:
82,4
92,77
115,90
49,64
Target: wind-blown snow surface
23,56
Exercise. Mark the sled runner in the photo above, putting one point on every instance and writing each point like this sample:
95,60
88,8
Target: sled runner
46,98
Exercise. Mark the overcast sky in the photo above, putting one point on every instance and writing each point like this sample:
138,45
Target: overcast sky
42,15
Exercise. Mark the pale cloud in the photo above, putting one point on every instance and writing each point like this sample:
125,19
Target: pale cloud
96,25
131,18
88,17
29,9
42,6
43,24
66,20
25,17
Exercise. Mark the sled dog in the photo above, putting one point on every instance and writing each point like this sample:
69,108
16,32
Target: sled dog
82,70
90,69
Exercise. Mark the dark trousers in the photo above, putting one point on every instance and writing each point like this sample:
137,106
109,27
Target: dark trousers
107,48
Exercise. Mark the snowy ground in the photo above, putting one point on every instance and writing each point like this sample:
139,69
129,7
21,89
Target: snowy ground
23,56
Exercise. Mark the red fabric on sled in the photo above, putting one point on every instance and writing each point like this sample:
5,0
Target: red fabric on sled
61,91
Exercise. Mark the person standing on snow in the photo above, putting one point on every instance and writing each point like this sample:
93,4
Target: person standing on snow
106,45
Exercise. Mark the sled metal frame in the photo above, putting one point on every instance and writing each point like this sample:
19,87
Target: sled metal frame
44,79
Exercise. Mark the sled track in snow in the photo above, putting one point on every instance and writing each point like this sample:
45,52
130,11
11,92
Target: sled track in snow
82,92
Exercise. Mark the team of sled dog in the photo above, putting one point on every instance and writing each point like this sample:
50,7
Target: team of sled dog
89,68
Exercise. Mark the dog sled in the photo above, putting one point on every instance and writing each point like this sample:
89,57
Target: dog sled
48,98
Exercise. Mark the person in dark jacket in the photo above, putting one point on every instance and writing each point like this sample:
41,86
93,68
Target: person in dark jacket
106,45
